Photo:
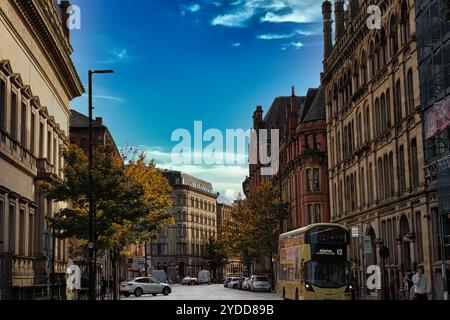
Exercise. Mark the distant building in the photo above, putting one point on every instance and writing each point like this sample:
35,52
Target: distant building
37,82
234,265
79,132
180,249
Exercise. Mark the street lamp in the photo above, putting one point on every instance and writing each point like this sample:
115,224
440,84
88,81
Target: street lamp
92,271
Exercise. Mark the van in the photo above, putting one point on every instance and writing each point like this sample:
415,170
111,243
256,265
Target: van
204,277
160,275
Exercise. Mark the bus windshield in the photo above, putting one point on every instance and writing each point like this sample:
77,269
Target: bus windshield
327,235
328,274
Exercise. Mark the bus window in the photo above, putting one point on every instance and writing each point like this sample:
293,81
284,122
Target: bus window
327,274
327,235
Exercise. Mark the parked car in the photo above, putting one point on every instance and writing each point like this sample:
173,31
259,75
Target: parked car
234,283
204,277
260,283
144,285
227,281
189,281
160,275
246,284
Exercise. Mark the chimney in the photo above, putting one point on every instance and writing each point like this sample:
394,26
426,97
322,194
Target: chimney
294,106
339,18
99,121
353,7
327,28
257,117
64,6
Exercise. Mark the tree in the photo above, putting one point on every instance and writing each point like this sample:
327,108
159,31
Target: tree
254,229
216,256
130,200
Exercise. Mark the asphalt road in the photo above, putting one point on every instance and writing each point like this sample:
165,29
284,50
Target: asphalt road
213,292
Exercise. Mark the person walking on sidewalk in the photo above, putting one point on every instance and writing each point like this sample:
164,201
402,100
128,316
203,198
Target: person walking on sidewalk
408,284
421,285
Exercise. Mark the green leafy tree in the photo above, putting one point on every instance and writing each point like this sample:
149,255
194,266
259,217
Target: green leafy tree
130,201
216,256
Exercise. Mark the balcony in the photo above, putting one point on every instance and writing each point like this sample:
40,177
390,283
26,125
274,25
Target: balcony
46,171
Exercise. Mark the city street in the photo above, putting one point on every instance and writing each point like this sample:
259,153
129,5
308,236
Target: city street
212,292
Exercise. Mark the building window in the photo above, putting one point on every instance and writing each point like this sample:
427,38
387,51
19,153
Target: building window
401,170
2,104
14,119
30,235
33,133
405,22
414,164
380,180
398,103
393,35
370,184
12,229
410,91
362,188
446,227
377,118
314,213
22,233
363,68
383,115
419,239
388,108
23,124
367,133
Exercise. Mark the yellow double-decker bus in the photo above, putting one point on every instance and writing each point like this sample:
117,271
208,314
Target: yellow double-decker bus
314,263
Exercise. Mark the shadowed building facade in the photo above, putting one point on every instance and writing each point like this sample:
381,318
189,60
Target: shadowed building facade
180,249
37,82
375,144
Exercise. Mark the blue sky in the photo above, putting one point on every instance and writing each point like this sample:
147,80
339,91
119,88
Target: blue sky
179,61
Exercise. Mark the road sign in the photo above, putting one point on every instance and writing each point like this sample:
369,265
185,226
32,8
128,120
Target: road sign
355,231
367,245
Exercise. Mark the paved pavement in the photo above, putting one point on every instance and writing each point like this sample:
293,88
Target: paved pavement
213,292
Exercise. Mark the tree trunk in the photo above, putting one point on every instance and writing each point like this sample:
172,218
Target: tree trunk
114,260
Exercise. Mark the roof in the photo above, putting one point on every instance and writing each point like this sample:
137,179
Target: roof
79,120
308,101
317,109
276,115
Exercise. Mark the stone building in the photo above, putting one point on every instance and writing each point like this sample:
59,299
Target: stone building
37,82
375,144
180,249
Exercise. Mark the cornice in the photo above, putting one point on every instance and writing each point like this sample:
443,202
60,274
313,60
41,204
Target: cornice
44,24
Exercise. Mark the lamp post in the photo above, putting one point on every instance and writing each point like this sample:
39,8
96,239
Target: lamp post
91,259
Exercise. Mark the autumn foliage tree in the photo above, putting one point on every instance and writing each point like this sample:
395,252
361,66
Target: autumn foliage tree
131,197
254,229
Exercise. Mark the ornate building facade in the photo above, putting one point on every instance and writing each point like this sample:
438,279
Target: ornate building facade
303,173
37,82
374,132
180,249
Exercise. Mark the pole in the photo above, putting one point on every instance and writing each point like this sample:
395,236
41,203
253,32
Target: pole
91,200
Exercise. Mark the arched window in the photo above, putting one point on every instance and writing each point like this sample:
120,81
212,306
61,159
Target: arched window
363,68
398,103
405,22
335,99
372,59
406,246
367,132
349,84
393,35
356,75
377,53
410,91
377,118
388,108
383,114
414,164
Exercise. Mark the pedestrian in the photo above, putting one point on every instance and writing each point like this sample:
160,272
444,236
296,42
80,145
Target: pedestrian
104,287
408,283
421,285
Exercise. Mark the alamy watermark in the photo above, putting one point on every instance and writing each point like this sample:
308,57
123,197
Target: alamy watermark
214,147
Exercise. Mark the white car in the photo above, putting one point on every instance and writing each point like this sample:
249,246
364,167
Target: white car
234,283
144,285
260,283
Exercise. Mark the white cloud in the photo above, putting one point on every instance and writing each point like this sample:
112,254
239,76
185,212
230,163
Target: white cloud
104,97
274,11
236,45
121,54
296,45
195,7
274,36
226,179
